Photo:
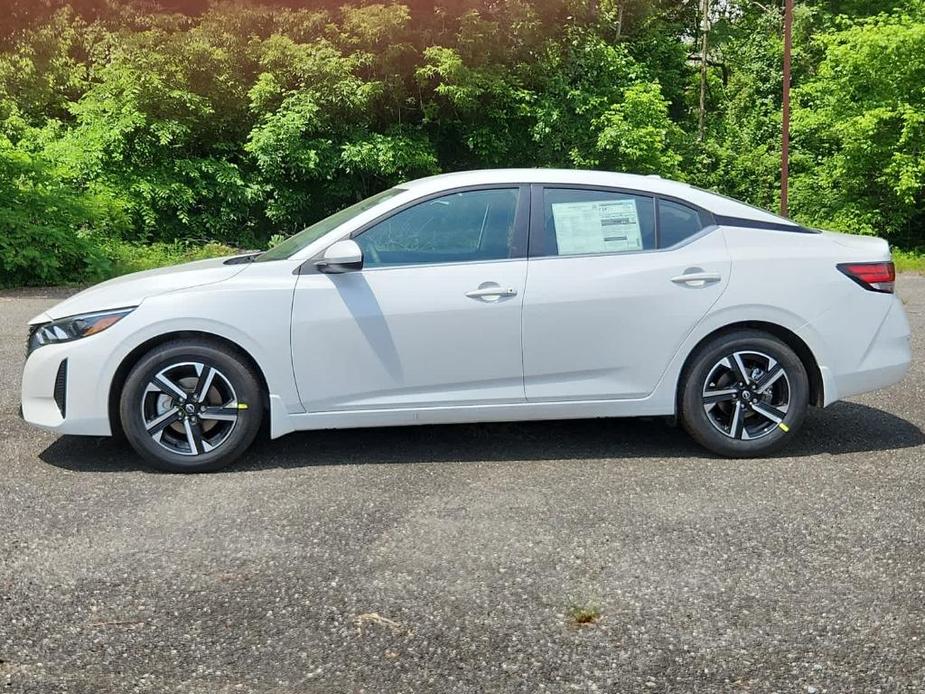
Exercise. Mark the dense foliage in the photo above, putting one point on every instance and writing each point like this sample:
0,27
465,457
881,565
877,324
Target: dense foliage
169,126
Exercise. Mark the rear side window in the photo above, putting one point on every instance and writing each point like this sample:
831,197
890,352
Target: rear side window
588,222
676,223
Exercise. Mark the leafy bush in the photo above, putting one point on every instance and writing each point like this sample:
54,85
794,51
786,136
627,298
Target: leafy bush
45,227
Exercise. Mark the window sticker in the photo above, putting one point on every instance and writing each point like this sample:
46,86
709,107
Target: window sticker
597,227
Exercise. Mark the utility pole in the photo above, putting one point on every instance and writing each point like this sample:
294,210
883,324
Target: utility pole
785,137
704,29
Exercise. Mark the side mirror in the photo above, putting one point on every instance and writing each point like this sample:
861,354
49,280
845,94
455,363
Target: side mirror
343,256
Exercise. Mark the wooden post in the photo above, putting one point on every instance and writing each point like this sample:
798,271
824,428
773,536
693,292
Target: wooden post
704,29
785,135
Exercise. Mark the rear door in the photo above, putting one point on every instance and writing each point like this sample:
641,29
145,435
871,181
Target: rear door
616,281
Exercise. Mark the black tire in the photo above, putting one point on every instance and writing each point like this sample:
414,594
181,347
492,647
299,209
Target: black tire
708,410
228,414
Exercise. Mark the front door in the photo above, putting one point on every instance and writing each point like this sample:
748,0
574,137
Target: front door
432,319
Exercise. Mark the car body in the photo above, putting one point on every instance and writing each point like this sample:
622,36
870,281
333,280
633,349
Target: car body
539,315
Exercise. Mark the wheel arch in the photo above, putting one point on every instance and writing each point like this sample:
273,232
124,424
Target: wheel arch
132,358
785,335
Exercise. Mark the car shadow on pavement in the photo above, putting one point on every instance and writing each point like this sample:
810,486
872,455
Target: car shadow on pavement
842,428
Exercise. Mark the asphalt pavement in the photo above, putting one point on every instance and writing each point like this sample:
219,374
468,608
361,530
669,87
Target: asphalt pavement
607,556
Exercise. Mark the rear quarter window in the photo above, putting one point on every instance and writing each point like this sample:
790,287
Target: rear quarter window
677,223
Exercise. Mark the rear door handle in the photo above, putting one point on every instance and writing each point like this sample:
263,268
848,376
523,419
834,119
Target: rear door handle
495,291
697,279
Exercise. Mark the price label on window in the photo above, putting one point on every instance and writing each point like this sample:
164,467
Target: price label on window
607,226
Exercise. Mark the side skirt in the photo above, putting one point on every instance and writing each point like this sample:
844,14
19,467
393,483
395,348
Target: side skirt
282,423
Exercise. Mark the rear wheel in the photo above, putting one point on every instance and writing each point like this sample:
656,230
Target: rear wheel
745,394
191,406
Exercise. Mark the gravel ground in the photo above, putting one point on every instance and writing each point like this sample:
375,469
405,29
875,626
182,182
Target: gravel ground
456,558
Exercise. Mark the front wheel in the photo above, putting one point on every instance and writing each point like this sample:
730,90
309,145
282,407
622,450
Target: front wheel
191,406
745,394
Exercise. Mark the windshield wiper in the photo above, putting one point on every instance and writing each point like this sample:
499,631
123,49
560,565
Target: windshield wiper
248,257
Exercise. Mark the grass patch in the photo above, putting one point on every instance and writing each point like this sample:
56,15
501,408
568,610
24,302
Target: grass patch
909,261
583,615
129,257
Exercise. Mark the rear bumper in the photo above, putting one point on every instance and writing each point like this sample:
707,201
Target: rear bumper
887,358
884,362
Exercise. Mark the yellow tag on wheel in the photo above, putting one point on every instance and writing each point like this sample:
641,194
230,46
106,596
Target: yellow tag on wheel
242,405
784,427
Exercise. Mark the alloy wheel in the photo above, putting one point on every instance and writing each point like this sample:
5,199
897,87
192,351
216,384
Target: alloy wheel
190,408
747,395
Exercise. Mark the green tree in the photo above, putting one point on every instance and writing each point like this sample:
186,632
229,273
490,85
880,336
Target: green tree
859,126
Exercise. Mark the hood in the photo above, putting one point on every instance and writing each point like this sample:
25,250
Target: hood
131,290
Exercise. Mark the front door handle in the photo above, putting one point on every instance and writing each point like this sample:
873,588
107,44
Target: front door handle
697,279
491,291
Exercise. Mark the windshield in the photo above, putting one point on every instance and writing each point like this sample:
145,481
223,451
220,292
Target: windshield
297,242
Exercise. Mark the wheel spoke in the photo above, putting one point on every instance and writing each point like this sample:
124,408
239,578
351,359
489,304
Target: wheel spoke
193,437
740,368
167,386
737,426
225,414
769,412
162,422
204,383
769,379
713,396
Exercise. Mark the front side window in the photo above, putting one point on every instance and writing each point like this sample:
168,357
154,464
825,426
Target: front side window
583,222
474,225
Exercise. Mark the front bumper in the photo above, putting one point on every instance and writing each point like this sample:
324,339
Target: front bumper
62,386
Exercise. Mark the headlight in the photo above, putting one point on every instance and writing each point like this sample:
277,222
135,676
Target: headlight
73,328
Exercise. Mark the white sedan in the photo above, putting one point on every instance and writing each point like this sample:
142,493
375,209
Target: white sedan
481,296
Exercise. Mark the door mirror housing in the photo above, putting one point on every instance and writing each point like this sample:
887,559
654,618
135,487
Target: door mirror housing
342,256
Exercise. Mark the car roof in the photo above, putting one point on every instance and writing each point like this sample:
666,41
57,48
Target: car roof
712,202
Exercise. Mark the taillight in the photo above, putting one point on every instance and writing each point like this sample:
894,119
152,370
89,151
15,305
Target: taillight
877,277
